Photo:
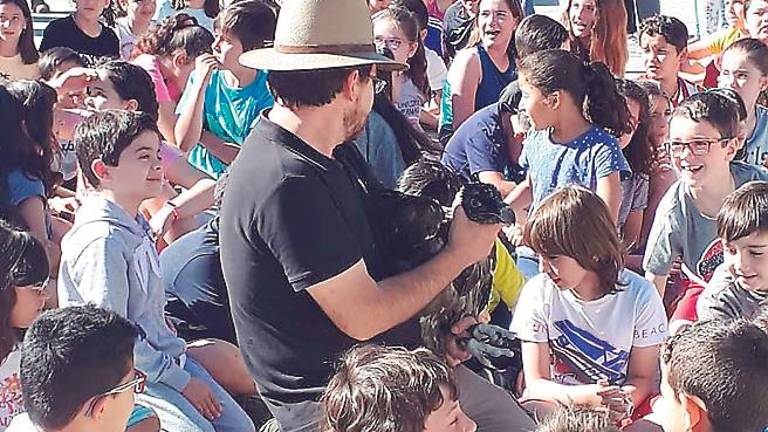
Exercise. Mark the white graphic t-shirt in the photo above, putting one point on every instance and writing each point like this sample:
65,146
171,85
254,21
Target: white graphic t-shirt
11,403
590,340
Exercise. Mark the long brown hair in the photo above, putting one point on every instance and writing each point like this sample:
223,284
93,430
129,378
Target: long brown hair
608,40
517,12
26,44
576,223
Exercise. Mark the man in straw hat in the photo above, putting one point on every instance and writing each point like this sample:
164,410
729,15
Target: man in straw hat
294,237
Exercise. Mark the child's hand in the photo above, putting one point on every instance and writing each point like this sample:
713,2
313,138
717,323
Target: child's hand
204,66
162,221
617,400
454,354
73,80
201,397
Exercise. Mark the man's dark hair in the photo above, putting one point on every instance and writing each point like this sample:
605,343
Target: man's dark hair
311,87
719,110
105,134
671,28
723,364
538,33
132,82
744,212
386,389
69,356
253,22
51,59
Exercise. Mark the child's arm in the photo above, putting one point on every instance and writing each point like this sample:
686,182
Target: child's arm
189,126
521,198
536,361
32,210
197,196
609,189
631,230
641,379
464,76
226,152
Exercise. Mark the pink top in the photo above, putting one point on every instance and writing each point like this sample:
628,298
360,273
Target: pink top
434,11
165,90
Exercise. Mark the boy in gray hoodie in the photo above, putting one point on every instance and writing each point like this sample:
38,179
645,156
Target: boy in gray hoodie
109,258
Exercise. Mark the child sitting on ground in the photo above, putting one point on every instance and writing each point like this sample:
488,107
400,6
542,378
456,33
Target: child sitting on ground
590,329
109,259
664,42
392,389
223,99
702,144
703,367
77,372
740,284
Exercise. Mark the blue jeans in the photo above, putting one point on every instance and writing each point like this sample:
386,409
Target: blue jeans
177,414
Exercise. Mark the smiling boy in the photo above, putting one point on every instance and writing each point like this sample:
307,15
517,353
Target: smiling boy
741,283
702,144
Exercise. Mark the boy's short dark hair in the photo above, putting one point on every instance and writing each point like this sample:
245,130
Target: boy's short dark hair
744,212
719,110
385,389
723,364
568,418
51,59
69,356
105,134
253,22
671,28
538,33
311,87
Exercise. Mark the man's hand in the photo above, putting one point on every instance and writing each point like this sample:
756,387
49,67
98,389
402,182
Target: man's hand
454,353
201,397
470,240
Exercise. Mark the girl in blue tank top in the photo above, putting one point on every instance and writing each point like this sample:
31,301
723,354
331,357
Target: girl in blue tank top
479,74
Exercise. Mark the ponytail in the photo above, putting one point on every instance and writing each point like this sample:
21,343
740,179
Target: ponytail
604,105
590,85
176,31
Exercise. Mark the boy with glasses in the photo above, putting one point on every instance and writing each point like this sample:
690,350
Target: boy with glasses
702,143
77,372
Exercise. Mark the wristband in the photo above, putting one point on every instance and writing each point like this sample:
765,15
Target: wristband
174,210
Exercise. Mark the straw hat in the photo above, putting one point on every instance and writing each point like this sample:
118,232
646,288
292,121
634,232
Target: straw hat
320,34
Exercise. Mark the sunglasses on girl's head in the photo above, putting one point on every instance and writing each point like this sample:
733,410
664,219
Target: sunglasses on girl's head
137,384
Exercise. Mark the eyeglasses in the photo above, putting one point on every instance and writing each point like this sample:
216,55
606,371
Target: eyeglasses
378,85
699,147
138,384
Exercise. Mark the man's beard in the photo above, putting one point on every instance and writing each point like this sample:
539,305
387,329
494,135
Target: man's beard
354,122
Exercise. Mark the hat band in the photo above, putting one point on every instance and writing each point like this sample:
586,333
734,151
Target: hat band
325,49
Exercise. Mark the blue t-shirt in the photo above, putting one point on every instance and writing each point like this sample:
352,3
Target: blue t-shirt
229,113
480,145
593,155
756,146
21,187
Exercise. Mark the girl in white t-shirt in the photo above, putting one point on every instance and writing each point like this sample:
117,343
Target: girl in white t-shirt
590,330
397,28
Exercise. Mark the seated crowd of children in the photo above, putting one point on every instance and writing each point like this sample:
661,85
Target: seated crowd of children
634,278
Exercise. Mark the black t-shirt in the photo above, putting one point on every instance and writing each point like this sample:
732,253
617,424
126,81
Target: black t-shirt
64,32
291,218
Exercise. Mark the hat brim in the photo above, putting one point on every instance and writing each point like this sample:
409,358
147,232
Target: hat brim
272,60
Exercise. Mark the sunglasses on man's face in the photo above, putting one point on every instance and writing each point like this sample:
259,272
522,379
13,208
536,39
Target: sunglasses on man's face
137,384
